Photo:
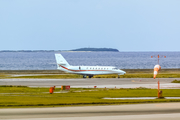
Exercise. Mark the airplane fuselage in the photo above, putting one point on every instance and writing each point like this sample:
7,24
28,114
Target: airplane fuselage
91,70
63,65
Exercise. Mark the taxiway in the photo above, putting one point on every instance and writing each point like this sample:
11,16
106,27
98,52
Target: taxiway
99,82
154,111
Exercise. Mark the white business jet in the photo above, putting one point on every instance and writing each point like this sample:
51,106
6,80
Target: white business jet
63,65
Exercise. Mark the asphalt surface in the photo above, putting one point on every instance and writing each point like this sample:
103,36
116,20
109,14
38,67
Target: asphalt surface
99,82
155,111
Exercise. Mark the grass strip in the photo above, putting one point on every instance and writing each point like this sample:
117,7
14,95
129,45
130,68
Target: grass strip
3,76
175,81
57,74
40,97
49,76
69,76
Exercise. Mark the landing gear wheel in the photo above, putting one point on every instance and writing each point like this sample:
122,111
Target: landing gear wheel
90,76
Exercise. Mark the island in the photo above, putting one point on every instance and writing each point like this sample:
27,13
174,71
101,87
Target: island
77,50
97,49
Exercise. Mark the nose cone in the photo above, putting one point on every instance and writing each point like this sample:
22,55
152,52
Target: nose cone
122,72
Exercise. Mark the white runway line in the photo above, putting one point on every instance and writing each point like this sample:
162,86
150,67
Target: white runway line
174,116
152,86
140,98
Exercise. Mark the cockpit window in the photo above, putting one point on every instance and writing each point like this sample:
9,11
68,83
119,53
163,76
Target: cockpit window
115,68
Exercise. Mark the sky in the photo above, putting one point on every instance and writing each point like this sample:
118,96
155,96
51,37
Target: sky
127,25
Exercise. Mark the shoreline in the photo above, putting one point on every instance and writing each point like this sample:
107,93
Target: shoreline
58,71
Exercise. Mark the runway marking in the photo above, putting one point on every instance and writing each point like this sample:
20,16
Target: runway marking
140,98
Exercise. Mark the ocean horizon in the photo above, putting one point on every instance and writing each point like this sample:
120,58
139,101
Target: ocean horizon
45,60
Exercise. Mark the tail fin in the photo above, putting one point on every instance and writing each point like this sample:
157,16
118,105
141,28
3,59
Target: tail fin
60,60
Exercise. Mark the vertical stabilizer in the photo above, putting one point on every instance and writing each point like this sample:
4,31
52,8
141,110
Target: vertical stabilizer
61,61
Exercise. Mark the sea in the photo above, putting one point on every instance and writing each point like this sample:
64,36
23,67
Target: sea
121,60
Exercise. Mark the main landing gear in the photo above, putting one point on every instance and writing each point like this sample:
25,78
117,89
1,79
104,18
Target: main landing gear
85,76
90,76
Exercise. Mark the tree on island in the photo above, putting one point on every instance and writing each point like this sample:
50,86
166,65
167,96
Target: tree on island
96,49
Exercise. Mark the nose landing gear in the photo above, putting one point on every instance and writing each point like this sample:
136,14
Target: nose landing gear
90,76
84,76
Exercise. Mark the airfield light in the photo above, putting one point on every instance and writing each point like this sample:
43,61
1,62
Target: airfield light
158,56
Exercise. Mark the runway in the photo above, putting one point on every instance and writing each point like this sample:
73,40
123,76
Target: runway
154,111
165,83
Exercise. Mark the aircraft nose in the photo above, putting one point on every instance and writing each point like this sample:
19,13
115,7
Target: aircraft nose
124,72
